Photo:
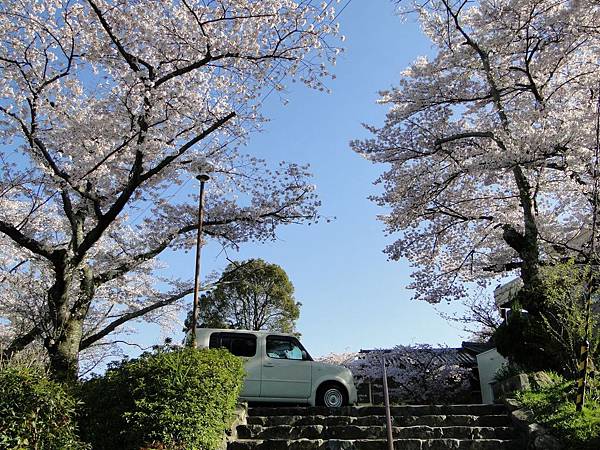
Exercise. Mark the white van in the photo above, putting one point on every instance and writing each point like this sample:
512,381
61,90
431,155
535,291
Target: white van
279,369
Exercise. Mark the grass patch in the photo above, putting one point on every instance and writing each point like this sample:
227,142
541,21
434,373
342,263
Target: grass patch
554,407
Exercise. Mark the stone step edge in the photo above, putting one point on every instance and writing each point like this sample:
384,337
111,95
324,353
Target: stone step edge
364,427
380,416
366,406
383,427
472,444
434,440
498,413
362,411
499,421
383,417
257,432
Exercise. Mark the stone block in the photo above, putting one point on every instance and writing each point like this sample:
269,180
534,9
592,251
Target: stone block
511,404
540,380
546,442
506,387
521,419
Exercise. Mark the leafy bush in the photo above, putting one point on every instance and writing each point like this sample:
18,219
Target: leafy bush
554,407
168,399
507,371
35,412
549,336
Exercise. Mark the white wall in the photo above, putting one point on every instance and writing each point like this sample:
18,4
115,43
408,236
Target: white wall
488,364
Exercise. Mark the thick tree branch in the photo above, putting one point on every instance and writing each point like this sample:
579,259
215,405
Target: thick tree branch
85,343
185,147
131,60
69,213
134,261
29,243
136,178
455,137
210,58
485,61
105,220
20,342
505,267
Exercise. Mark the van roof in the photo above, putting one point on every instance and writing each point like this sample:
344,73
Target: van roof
229,330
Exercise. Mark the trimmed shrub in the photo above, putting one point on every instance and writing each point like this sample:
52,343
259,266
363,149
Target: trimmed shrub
167,399
36,413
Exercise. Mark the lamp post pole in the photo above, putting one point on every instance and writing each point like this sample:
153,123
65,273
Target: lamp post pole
203,178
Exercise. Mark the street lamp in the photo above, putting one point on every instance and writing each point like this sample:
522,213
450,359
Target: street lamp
203,178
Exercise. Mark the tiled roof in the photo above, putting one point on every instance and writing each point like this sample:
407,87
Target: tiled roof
504,293
477,347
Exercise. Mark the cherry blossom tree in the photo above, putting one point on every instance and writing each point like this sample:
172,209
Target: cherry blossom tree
490,142
106,107
340,359
417,373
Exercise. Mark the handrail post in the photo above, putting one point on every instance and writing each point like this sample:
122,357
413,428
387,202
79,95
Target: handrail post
386,399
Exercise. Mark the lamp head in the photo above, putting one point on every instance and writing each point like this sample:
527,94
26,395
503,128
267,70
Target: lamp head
202,167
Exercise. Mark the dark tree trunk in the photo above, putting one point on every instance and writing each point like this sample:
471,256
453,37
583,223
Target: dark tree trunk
526,243
64,355
68,315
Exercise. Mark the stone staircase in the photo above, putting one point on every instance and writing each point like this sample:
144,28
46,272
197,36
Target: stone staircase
473,427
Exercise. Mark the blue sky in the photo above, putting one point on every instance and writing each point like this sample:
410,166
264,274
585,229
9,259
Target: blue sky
352,296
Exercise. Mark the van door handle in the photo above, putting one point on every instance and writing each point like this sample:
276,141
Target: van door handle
268,365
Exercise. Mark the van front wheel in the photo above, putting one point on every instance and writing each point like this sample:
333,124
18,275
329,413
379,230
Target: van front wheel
332,395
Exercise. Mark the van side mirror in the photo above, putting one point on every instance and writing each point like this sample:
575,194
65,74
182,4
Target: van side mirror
304,355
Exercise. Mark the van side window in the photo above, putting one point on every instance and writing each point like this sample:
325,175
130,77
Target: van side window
283,347
240,344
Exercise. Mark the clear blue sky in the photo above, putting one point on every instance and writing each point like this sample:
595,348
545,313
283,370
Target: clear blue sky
352,296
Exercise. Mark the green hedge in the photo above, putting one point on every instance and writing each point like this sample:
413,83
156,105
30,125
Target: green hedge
36,413
168,399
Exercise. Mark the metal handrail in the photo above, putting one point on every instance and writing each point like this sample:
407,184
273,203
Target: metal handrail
388,415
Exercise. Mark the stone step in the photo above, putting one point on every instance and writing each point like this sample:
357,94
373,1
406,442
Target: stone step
361,411
501,420
374,444
372,432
